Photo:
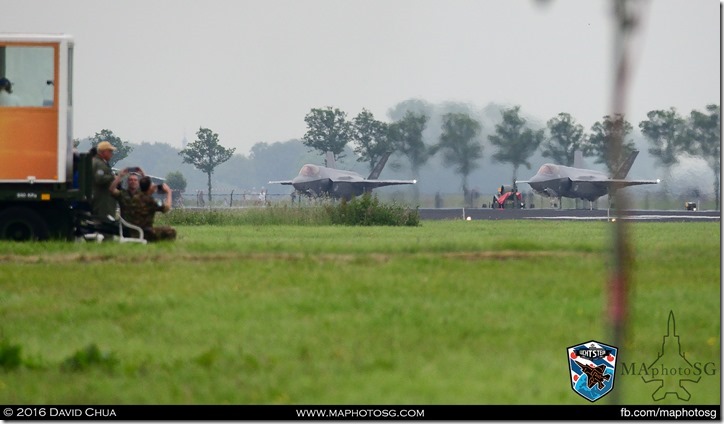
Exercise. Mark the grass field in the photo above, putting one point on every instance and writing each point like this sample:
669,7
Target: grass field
453,312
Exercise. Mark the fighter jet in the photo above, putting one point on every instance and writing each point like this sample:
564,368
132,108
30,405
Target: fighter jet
315,180
596,374
578,183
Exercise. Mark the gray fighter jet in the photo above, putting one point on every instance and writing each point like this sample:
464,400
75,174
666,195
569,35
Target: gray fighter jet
316,181
578,183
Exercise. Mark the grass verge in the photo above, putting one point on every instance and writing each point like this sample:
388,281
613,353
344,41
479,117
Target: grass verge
457,312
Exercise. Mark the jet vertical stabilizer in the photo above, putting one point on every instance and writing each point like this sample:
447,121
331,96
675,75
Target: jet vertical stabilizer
375,174
625,166
329,161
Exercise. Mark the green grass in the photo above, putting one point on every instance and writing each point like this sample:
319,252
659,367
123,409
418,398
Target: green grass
455,312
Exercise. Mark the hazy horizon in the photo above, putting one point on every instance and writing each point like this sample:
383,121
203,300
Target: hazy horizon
157,70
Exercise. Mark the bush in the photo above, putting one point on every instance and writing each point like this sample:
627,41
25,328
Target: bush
90,356
367,210
9,355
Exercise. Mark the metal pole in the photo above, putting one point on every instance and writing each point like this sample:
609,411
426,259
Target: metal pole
625,21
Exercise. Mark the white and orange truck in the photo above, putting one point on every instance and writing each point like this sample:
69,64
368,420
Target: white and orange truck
45,187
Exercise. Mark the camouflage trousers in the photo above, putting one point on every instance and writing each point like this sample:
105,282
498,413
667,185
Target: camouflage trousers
159,233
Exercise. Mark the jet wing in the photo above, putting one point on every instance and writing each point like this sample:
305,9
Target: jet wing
614,183
286,182
382,183
626,183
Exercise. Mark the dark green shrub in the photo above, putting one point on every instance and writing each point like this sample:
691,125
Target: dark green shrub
88,357
10,355
367,210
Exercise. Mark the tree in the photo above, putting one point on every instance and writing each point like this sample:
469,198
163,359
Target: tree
406,136
566,136
278,160
705,131
370,138
602,135
460,145
122,147
205,153
176,181
327,131
416,106
667,133
515,142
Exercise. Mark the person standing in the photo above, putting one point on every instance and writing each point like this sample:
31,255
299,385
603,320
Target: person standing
103,204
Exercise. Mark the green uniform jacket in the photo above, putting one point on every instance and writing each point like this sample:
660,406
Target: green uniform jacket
103,203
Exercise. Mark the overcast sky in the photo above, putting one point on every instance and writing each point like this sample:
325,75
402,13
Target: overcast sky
250,70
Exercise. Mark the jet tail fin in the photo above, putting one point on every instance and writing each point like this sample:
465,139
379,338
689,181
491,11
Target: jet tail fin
625,166
329,161
375,174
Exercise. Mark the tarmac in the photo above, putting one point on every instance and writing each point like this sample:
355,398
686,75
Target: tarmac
569,214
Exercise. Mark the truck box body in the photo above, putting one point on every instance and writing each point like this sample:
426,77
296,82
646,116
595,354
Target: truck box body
43,185
35,137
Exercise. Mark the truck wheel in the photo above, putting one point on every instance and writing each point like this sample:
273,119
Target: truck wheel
22,224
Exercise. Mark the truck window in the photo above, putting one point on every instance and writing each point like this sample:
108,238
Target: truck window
30,71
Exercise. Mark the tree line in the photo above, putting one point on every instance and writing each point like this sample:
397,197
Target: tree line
669,134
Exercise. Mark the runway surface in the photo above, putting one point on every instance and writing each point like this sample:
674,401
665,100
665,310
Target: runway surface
569,214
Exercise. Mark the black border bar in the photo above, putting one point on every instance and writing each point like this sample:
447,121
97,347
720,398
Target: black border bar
359,412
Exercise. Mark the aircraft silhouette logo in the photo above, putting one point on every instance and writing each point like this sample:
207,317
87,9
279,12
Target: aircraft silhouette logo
592,367
671,358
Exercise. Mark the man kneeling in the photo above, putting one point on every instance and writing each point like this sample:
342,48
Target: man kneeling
143,208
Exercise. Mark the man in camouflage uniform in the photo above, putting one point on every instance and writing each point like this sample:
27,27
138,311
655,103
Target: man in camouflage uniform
124,196
142,209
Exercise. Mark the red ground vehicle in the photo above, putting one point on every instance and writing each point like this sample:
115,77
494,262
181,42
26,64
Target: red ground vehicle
508,197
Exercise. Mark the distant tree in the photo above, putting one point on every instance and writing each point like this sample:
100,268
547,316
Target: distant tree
460,145
515,142
566,136
705,131
277,161
406,136
176,181
667,133
122,147
602,135
415,106
205,153
370,138
327,131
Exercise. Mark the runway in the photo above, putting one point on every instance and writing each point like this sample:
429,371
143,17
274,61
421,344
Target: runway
568,214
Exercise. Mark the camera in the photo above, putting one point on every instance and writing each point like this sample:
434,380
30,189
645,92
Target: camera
133,169
159,188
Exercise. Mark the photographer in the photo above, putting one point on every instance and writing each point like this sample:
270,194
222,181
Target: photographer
125,196
143,207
